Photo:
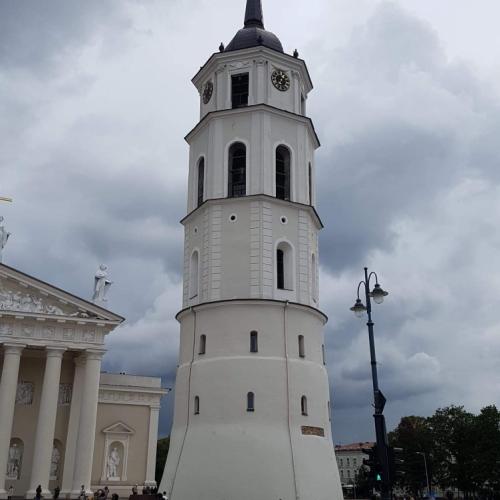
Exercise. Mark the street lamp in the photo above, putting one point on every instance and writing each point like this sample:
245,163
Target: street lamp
359,309
426,473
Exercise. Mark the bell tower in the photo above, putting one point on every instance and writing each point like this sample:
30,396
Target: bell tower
252,409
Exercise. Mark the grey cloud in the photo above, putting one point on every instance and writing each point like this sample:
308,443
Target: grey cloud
407,184
36,36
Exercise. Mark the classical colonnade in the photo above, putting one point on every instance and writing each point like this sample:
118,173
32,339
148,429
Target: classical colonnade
82,419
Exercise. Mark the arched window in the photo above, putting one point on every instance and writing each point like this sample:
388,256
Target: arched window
310,175
302,350
303,405
314,284
201,180
196,405
254,346
282,173
250,401
236,179
203,344
284,266
193,275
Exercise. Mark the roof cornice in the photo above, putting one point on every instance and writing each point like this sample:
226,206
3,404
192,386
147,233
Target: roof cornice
254,107
64,296
261,196
223,57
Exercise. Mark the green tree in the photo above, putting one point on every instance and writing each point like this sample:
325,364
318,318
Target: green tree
414,436
161,457
363,483
454,434
487,451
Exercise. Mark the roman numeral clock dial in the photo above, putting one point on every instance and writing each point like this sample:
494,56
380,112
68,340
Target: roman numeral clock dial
280,80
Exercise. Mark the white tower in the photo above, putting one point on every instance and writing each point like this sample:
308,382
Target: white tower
252,410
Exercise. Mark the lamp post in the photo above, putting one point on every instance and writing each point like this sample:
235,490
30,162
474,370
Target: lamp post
426,473
359,309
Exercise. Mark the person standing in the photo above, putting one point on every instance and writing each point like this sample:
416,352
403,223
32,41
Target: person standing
57,490
38,490
82,495
10,492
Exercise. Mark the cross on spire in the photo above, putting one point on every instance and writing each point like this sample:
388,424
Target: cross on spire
253,14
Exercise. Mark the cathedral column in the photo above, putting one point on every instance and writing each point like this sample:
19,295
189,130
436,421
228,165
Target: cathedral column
45,427
154,413
8,388
86,427
74,420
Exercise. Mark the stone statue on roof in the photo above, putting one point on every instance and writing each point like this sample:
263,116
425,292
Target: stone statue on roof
4,236
101,285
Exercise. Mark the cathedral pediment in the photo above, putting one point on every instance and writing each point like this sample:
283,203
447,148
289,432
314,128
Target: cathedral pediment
23,294
118,428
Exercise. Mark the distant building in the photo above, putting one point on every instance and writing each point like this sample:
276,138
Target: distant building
350,459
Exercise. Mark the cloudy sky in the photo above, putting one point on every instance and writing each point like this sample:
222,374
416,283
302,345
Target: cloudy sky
95,99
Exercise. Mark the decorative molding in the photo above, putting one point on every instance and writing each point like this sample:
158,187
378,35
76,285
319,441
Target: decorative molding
308,430
26,302
239,65
65,394
129,397
117,439
24,393
255,249
216,252
6,329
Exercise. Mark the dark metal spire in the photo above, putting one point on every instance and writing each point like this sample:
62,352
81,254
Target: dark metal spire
253,14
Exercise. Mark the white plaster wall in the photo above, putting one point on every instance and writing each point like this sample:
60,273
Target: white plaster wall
237,258
259,63
262,131
264,449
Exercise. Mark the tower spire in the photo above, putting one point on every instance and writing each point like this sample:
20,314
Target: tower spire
253,14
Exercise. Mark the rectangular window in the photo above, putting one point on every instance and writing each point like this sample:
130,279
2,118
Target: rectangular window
250,402
354,462
323,353
348,464
203,344
239,90
302,349
254,347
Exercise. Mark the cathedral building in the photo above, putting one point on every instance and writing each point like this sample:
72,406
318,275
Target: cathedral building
63,422
252,415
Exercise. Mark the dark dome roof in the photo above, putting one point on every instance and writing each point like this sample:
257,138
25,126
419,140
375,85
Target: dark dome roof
254,34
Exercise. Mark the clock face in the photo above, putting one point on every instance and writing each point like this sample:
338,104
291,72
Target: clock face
207,92
280,80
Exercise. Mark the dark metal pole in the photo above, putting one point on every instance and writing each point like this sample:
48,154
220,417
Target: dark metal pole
378,400
373,357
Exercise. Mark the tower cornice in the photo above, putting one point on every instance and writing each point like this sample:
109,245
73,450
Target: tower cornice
253,197
255,107
256,302
219,58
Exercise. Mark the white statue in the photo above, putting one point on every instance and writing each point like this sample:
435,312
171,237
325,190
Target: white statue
54,464
101,285
14,463
113,463
4,236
